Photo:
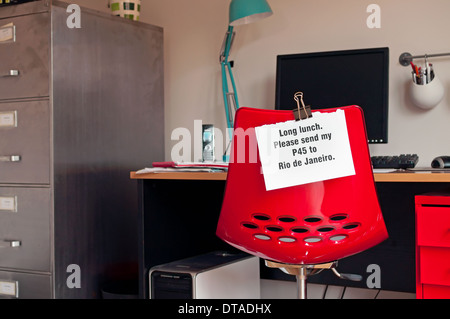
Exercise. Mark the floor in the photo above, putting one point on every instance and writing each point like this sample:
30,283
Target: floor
277,289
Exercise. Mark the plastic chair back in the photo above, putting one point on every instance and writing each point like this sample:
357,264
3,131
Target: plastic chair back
305,224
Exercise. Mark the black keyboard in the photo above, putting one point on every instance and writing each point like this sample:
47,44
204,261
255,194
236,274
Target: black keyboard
395,161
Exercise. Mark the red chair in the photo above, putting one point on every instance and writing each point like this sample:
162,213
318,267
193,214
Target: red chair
301,229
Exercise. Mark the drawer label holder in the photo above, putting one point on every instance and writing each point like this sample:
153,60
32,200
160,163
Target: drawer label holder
8,204
9,288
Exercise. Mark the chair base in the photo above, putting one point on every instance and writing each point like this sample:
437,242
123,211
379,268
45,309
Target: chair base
301,272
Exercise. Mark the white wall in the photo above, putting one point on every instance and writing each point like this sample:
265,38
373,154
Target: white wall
194,30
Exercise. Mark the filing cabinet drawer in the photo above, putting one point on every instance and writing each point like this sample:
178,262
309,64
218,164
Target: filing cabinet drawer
24,67
25,142
434,266
25,228
433,226
24,286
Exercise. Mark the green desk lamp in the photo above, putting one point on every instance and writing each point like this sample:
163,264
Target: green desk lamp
240,12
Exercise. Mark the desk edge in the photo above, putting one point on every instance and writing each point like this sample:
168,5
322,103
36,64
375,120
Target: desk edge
378,177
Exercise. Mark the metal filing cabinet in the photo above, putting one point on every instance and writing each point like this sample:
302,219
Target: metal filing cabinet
79,109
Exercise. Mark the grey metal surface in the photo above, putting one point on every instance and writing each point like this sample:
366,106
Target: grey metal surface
28,55
29,225
29,139
105,116
30,286
109,109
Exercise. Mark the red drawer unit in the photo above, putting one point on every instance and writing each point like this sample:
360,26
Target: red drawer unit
433,246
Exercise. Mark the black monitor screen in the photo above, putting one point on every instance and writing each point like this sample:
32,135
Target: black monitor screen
338,78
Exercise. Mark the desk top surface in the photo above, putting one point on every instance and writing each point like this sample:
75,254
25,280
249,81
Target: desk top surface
416,175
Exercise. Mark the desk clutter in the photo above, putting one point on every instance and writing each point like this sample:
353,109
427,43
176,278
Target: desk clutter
426,89
173,166
421,75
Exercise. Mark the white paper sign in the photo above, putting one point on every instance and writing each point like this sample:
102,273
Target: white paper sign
300,152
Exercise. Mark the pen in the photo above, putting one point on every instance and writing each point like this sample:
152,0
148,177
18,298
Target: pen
431,72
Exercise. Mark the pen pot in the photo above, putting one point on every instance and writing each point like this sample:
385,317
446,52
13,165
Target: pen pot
427,95
129,9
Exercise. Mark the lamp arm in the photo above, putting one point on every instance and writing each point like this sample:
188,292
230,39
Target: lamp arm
225,94
228,97
227,43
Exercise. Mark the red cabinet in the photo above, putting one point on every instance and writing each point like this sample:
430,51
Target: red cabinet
433,246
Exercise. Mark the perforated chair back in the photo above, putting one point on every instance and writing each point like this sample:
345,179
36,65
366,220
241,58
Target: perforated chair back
307,224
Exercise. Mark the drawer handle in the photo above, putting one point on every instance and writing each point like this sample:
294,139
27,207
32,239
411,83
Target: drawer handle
10,158
10,243
10,73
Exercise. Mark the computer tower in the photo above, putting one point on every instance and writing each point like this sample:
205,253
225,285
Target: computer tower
215,275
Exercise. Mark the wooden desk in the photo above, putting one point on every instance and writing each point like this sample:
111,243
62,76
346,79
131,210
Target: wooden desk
416,176
397,176
178,214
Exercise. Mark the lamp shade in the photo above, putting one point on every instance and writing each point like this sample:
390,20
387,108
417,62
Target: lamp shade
248,11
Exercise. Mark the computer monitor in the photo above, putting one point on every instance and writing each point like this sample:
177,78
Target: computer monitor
338,78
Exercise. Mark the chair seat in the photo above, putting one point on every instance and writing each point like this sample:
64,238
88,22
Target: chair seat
313,223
